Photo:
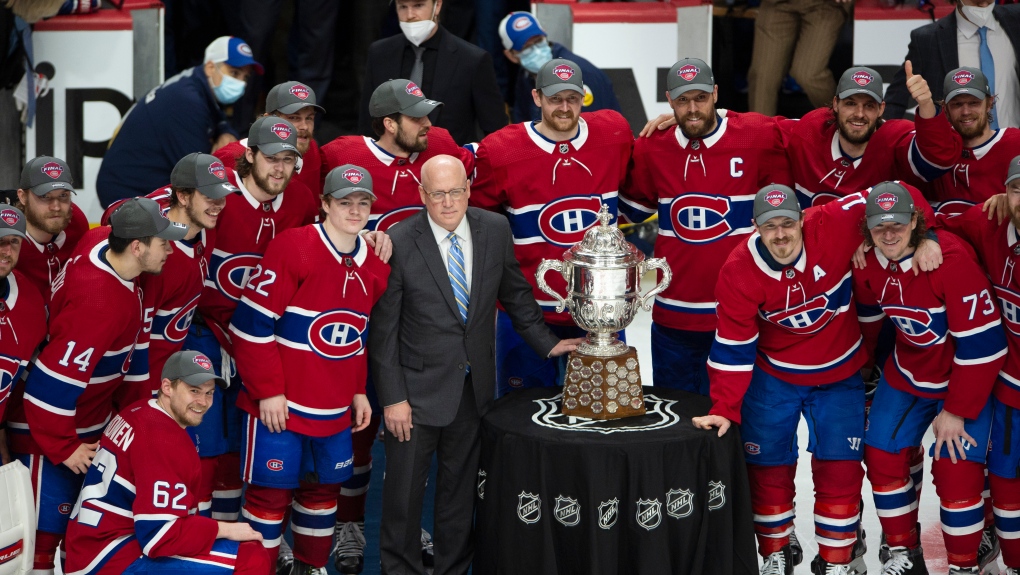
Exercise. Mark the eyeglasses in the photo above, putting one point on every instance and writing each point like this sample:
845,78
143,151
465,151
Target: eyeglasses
438,196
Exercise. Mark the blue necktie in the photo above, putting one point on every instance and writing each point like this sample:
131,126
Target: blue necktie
458,278
988,68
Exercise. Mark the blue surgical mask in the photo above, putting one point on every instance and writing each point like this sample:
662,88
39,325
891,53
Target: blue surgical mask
535,57
230,90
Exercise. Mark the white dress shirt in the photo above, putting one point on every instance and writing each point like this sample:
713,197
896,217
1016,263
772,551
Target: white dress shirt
1007,86
463,232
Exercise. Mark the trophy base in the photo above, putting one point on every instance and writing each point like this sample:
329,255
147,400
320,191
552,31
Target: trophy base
602,388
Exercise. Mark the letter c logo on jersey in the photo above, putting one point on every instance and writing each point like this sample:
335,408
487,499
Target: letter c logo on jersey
1009,301
699,218
808,317
916,325
564,221
177,326
338,334
392,217
8,372
232,274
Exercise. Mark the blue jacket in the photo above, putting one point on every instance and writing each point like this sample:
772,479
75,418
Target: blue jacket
596,80
176,118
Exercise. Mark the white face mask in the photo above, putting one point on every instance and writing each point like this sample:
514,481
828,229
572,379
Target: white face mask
979,15
418,32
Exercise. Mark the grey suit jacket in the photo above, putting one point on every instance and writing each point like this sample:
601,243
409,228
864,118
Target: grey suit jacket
418,346
933,53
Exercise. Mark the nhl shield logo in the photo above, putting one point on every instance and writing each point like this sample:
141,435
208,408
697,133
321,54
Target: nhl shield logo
963,77
716,495
203,362
567,511
863,78
563,72
649,513
886,201
353,176
775,198
10,217
529,507
608,512
414,90
564,148
679,503
217,169
282,131
300,92
481,484
688,72
52,169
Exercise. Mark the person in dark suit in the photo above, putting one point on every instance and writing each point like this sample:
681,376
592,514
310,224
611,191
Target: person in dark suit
432,348
956,40
444,66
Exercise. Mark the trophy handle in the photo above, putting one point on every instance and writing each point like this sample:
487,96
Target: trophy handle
544,267
667,277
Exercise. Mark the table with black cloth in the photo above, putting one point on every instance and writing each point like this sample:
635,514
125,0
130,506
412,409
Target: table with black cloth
644,495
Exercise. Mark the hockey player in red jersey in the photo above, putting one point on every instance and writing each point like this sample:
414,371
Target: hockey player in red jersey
299,335
137,510
789,343
977,174
550,178
998,249
55,223
22,314
296,103
700,177
95,320
949,348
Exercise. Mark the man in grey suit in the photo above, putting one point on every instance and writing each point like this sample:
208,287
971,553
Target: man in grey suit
432,348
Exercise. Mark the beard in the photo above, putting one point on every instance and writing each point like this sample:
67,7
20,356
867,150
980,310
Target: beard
707,123
856,139
561,121
267,186
49,225
975,129
412,144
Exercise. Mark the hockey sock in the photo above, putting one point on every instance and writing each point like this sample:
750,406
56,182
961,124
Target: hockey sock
205,489
895,497
772,491
264,508
312,521
46,544
1006,497
226,495
986,494
837,507
253,559
959,486
350,505
917,469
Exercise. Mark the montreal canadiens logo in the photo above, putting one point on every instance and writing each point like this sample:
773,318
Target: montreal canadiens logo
521,23
231,274
952,208
414,90
10,217
281,130
176,328
822,198
688,72
217,169
775,198
863,78
564,221
805,318
391,218
203,362
886,201
9,368
338,334
244,49
563,72
1009,301
353,176
300,92
52,169
963,77
699,218
65,508
274,465
917,326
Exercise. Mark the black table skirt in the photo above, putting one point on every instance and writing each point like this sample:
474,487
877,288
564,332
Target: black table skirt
649,495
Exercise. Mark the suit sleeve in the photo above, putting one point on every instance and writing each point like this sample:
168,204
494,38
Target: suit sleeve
254,322
731,359
897,97
518,299
487,191
490,111
639,196
383,336
369,86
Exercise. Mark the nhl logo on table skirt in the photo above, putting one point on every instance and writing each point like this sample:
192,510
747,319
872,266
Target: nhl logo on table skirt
716,495
679,503
529,507
567,511
659,414
649,513
608,512
481,484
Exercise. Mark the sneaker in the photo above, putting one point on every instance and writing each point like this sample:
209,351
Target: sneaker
302,568
778,563
349,547
820,566
285,560
905,561
428,558
796,551
988,552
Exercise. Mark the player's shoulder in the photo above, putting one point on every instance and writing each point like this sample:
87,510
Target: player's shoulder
230,153
657,142
889,131
955,251
344,144
28,294
507,145
748,119
440,142
610,125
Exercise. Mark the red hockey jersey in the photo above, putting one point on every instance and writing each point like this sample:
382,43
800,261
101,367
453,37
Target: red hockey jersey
307,171
42,262
552,191
704,193
978,173
139,498
22,329
949,339
822,171
302,326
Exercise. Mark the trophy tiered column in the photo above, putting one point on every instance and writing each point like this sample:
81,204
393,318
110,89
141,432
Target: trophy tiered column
603,276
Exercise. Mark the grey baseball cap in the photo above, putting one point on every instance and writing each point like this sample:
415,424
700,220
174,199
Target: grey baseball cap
273,135
860,80
775,201
44,174
12,221
400,95
557,75
966,80
344,180
1014,170
689,74
142,218
204,173
888,202
191,367
289,97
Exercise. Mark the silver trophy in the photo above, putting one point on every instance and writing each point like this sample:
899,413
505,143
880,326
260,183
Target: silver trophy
603,274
